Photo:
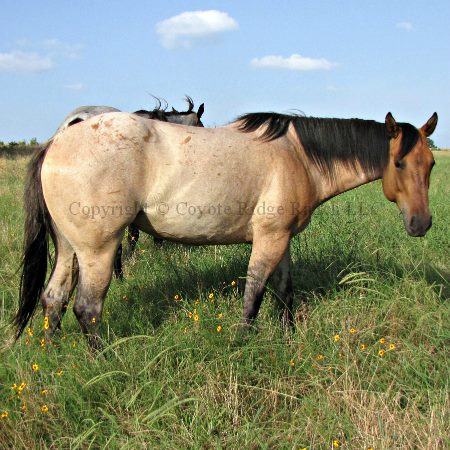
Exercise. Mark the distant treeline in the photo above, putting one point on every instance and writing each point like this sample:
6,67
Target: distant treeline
20,148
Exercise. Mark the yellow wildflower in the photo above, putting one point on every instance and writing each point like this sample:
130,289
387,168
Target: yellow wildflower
336,443
382,340
189,314
4,414
292,363
381,353
42,342
44,391
94,320
219,328
30,332
362,347
35,367
59,372
22,387
14,386
320,357
23,406
211,295
46,326
337,338
353,330
233,283
220,315
44,408
74,344
177,298
196,318
391,346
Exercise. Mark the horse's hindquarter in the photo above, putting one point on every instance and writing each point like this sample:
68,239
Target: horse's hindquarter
92,175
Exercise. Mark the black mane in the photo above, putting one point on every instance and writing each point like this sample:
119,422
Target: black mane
328,141
160,111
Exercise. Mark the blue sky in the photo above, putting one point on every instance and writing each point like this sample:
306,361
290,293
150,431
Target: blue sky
324,58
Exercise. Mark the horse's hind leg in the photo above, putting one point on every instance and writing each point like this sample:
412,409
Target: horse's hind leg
63,280
118,271
132,237
282,284
96,266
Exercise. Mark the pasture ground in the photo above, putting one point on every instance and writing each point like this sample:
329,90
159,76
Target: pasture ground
367,368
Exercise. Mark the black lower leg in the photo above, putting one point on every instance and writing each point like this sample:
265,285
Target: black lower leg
133,237
118,271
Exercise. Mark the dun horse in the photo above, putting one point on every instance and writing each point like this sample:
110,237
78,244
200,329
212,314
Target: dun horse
189,117
256,180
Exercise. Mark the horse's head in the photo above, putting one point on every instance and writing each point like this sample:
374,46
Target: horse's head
189,117
406,178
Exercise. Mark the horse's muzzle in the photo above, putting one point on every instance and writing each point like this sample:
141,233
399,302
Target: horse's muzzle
417,225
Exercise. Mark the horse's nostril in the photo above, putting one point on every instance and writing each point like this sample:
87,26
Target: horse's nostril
413,222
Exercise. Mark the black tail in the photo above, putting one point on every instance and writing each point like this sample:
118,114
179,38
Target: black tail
35,244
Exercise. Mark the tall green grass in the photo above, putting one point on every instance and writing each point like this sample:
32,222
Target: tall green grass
172,376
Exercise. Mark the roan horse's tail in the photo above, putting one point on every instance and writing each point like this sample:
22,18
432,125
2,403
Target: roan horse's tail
35,244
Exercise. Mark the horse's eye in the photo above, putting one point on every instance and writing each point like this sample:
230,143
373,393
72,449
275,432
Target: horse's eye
399,164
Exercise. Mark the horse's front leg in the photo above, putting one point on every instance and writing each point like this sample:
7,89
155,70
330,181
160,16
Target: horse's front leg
282,283
267,252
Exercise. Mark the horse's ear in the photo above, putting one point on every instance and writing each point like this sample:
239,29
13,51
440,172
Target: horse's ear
200,111
174,110
391,126
429,127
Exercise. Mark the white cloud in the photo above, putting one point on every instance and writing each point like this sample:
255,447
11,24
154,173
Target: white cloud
17,61
293,62
192,27
74,86
60,48
407,26
37,56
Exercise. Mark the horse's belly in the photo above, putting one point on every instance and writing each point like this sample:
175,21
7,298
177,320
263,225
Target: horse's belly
194,224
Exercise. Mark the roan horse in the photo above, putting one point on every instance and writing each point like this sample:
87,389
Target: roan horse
189,117
256,180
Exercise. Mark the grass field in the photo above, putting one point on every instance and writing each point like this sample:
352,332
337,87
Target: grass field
367,368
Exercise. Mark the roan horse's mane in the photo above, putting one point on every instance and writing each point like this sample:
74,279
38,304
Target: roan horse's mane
327,141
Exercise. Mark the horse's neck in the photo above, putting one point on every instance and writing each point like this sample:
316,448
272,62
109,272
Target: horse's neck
346,178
